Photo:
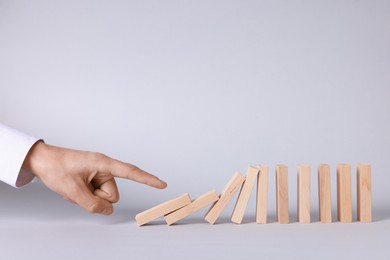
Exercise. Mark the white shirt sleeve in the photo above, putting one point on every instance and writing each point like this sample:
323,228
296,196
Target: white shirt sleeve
14,146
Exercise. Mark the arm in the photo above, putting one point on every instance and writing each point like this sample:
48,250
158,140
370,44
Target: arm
85,178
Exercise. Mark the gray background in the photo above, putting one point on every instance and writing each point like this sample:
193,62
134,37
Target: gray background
193,91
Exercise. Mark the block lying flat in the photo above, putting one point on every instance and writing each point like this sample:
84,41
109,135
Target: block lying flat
304,194
227,194
282,210
245,193
324,194
191,208
344,193
262,195
364,207
162,209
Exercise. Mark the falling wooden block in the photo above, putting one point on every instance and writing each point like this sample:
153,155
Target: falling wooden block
324,194
262,195
282,211
245,193
162,209
227,194
191,208
364,208
344,193
304,194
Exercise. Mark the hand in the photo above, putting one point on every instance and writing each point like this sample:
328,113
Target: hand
85,178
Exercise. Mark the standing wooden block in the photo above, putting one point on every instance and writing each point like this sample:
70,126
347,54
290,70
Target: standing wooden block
227,194
324,194
245,193
304,194
282,211
364,207
191,208
262,195
344,193
162,209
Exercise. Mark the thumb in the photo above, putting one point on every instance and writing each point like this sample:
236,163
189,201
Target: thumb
83,196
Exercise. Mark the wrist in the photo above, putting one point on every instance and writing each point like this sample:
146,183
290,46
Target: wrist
35,159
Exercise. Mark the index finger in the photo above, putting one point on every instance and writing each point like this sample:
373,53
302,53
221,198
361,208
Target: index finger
132,172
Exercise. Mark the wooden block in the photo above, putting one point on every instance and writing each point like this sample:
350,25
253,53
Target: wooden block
245,193
303,194
344,193
282,211
191,208
364,207
324,193
262,195
227,194
162,209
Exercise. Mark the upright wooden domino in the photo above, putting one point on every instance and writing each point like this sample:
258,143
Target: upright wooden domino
191,208
262,195
304,194
245,193
282,210
344,193
324,194
364,207
162,209
227,194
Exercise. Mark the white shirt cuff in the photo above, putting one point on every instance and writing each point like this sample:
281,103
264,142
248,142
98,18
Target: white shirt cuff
14,147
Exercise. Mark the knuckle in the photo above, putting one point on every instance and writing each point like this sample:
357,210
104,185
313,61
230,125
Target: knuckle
132,171
133,168
147,181
96,157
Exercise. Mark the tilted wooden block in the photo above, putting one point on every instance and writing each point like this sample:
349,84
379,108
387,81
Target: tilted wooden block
324,194
262,195
364,207
282,210
227,194
344,193
191,208
162,209
245,193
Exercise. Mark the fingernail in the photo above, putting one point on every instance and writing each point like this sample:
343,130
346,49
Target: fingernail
164,184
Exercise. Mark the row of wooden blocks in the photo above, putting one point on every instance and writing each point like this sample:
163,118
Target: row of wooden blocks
181,207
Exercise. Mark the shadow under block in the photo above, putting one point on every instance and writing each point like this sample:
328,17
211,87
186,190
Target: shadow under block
244,196
191,208
344,193
162,209
282,211
364,207
324,194
303,194
227,194
262,195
